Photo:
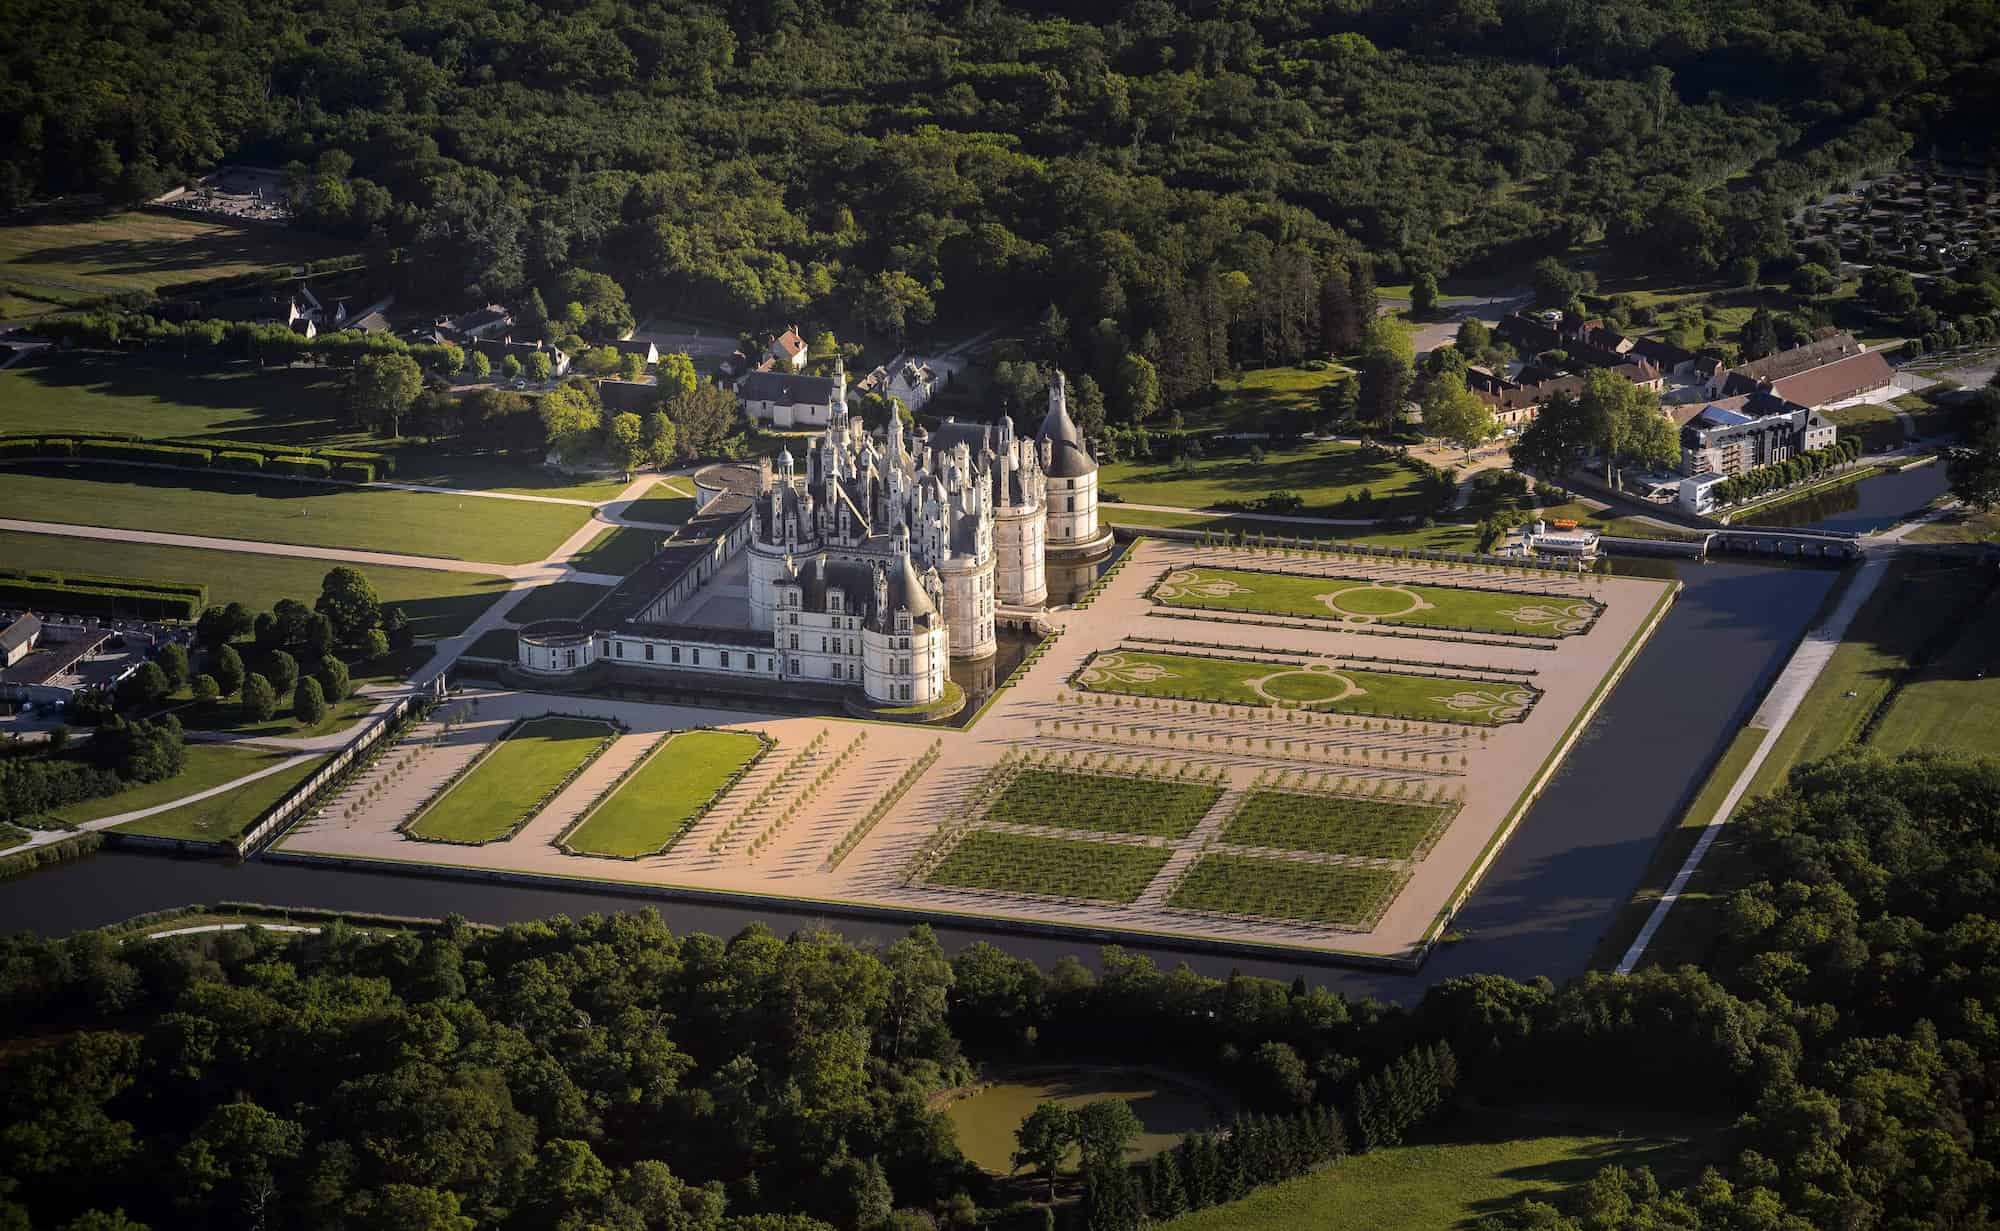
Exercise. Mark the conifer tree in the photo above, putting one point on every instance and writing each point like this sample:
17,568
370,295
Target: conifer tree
1165,1196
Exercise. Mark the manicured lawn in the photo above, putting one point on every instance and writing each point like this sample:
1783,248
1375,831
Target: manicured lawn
208,765
441,465
278,511
494,797
172,395
1106,802
1322,474
557,600
618,551
1878,426
1448,537
1955,701
1288,889
503,643
65,259
1605,522
1251,400
1441,1187
656,804
1346,690
224,817
1334,824
1342,598
438,603
665,510
1052,867
1915,606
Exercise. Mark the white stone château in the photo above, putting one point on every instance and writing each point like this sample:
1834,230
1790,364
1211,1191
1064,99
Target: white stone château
864,568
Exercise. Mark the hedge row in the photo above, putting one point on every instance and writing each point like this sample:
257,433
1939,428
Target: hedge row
304,467
159,455
100,600
239,452
23,862
198,590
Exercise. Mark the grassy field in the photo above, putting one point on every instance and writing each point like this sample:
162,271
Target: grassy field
662,510
1248,681
12,835
1054,867
1104,802
1436,1187
168,395
557,600
224,817
438,603
1288,889
503,643
1337,598
1961,525
984,1122
281,511
1322,474
1606,522
1447,537
492,800
66,259
1334,824
1877,425
617,551
1954,701
1249,401
208,765
657,803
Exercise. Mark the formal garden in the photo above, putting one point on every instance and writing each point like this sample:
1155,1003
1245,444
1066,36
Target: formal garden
1049,867
1112,803
511,780
1363,600
1337,823
1307,685
1343,895
650,807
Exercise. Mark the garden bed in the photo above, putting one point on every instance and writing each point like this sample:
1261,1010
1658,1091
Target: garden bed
1247,885
660,798
531,761
1112,803
1316,686
1365,601
1336,824
1050,867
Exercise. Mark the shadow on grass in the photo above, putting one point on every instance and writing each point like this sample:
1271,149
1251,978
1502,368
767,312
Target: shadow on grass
277,405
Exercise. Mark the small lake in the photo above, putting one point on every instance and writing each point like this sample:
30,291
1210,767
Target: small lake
1169,1110
1875,503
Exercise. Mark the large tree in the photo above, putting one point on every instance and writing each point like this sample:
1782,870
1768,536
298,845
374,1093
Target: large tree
1044,1140
1456,414
380,390
348,600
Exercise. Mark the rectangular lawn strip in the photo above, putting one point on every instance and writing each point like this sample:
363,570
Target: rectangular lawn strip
1108,802
1287,889
618,551
1335,824
438,603
557,600
1322,474
170,395
282,511
1050,867
1335,598
1384,694
493,798
224,817
208,765
670,790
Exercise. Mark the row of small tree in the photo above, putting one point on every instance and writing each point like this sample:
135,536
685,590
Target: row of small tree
1780,475
1212,1168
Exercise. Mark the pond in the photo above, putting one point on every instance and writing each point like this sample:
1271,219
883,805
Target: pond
1169,1109
1875,503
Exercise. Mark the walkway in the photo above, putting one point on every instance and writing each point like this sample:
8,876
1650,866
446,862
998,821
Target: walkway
1780,704
43,837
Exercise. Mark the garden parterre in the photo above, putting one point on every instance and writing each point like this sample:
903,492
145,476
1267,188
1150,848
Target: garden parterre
1337,894
1337,824
1363,600
652,807
508,784
1309,685
1113,803
1050,867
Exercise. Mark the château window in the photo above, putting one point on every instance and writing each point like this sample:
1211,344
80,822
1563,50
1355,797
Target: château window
676,652
569,658
621,648
795,641
725,658
649,651
697,658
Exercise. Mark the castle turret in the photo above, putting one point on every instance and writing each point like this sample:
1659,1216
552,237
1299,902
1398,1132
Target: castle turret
1072,476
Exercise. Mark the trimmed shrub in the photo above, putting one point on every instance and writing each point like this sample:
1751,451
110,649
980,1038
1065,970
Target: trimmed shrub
58,446
355,472
163,455
382,462
302,467
85,599
236,459
21,448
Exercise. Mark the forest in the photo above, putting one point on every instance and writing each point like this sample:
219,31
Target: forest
604,1072
1213,174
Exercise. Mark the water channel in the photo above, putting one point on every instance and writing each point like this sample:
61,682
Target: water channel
1540,909
1875,503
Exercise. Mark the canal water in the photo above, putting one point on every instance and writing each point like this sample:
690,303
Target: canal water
1540,909
1875,503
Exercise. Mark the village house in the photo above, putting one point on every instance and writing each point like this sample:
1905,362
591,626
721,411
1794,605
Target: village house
496,351
638,397
788,350
647,352
1832,369
787,400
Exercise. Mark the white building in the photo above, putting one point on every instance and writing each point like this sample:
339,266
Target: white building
787,400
